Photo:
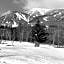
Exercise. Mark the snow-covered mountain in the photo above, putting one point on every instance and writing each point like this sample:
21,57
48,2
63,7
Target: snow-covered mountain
29,15
55,14
10,17
34,13
38,11
20,15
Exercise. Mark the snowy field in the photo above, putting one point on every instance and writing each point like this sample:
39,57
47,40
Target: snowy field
26,53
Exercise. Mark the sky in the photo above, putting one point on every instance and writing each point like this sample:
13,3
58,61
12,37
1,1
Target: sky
6,5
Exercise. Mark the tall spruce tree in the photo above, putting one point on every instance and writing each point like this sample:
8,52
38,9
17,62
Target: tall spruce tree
39,33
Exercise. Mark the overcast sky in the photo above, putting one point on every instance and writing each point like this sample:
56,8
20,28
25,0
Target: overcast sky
6,5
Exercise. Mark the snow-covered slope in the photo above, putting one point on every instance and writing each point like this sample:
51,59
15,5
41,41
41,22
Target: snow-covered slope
20,15
34,13
26,53
10,17
42,11
37,12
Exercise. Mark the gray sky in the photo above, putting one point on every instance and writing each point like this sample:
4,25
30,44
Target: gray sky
6,5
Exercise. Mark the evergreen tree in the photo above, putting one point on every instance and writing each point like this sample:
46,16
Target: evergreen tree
39,33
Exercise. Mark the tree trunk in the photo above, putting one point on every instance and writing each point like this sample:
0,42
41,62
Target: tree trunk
22,34
27,35
54,38
37,44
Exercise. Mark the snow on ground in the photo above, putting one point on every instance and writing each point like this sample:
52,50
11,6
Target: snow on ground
26,53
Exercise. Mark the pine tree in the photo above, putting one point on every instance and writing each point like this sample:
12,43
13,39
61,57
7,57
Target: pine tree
39,33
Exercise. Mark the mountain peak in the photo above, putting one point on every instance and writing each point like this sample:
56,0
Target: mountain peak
42,11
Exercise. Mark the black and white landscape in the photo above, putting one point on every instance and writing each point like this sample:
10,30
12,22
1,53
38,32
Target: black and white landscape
31,32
